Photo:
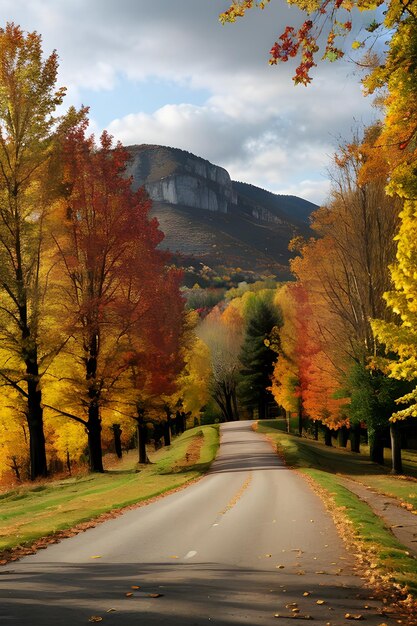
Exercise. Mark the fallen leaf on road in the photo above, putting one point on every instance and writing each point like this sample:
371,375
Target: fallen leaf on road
174,557
135,587
95,618
280,566
301,572
110,610
95,557
268,555
306,593
320,602
355,617
129,594
155,595
293,616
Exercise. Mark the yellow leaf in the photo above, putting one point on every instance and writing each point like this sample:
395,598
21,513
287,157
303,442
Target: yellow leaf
95,618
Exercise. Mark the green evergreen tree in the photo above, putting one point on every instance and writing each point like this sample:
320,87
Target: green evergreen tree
258,357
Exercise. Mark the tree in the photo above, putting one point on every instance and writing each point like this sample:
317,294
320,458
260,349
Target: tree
28,133
292,355
326,23
346,272
194,380
105,276
257,358
14,456
222,333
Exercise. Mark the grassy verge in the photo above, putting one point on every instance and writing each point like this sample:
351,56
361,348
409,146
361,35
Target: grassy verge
31,512
309,453
384,560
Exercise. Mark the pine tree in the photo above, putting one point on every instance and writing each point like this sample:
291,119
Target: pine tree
257,357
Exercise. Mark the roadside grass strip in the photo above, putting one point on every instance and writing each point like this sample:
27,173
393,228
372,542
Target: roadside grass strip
31,512
302,452
382,560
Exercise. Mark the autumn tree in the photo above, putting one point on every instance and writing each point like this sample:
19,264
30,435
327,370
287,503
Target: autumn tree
293,351
222,333
347,267
322,34
105,245
28,132
194,379
14,449
399,137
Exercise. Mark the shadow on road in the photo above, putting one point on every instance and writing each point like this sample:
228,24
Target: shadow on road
44,595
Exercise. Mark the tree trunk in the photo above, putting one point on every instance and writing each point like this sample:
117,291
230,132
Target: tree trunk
167,432
342,437
355,438
94,419
376,447
94,438
38,466
300,418
316,430
229,407
117,434
287,415
397,465
260,408
68,462
142,437
234,403
327,436
15,468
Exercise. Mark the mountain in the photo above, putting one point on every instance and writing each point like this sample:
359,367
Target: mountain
213,220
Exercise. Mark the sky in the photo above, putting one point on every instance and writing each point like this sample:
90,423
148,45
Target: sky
167,72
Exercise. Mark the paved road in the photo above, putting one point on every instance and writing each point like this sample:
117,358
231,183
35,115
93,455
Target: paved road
236,547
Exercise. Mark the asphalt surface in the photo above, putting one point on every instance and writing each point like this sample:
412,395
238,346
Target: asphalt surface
241,546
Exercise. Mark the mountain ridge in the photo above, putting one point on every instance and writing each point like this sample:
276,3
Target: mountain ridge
207,216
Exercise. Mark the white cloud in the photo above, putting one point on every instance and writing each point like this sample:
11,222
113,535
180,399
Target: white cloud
254,121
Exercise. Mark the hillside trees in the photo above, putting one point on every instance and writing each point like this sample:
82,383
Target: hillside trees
28,133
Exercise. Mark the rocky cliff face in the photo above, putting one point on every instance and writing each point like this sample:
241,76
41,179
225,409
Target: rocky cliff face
215,221
179,178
